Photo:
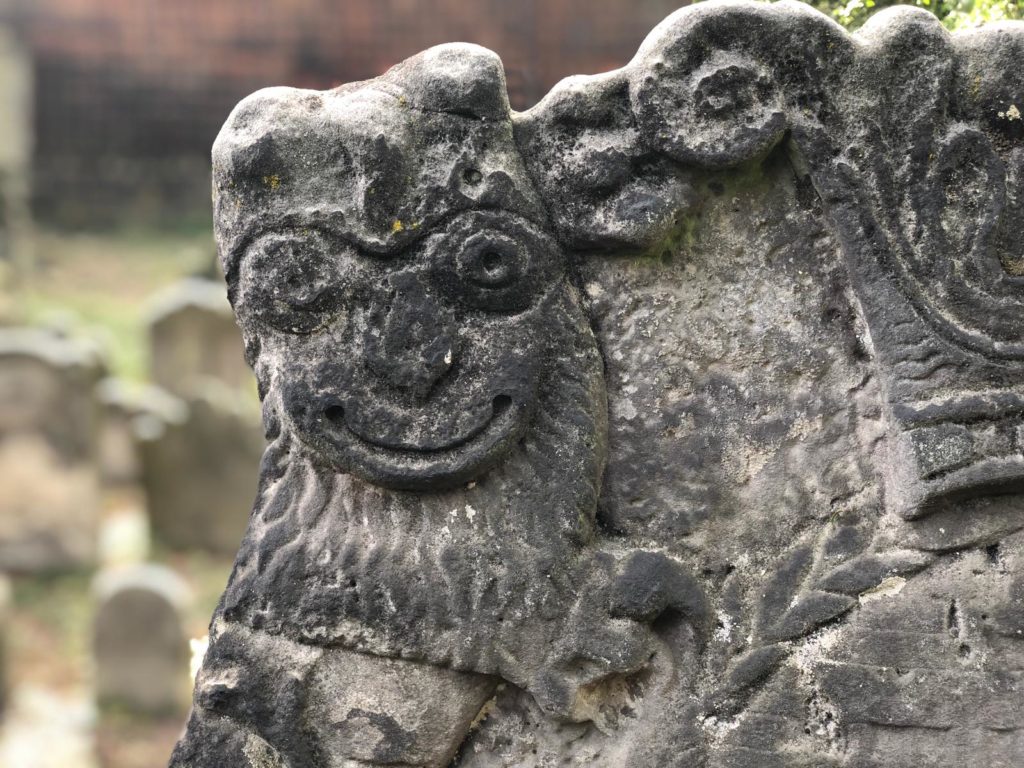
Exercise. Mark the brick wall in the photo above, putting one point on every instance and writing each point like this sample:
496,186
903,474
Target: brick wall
130,93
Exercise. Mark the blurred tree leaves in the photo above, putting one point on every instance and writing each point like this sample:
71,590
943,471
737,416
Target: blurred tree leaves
954,14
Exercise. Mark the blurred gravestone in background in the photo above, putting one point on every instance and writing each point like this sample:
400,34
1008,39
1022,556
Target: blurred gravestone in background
15,153
48,474
118,454
5,609
200,448
199,470
193,337
140,646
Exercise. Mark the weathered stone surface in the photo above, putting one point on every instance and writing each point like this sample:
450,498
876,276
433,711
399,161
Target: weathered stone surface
193,339
49,480
199,459
139,644
676,421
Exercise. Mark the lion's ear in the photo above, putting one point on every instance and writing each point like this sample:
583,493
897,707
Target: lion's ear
455,78
616,156
604,188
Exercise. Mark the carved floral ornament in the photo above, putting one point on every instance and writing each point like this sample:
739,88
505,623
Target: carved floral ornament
523,500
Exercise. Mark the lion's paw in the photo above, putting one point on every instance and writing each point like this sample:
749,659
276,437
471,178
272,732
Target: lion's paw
611,634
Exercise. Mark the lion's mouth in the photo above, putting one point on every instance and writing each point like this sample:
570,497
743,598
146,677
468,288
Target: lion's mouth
424,464
498,423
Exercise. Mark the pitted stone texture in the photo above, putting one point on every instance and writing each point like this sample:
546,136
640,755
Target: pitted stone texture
678,408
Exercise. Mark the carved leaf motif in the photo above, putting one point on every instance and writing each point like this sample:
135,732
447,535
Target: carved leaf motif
742,677
790,610
867,571
783,588
953,266
752,667
800,599
808,612
1009,246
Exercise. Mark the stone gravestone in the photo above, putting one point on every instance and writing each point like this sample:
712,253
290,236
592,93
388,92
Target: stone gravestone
676,421
49,483
16,95
194,338
5,623
199,461
140,648
199,464
118,454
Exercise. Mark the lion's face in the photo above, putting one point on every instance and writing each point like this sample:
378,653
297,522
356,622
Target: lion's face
415,369
413,325
390,267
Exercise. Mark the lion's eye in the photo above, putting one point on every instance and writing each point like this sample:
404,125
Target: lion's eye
495,262
492,262
295,280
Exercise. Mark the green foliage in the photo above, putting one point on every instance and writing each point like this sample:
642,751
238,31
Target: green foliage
954,14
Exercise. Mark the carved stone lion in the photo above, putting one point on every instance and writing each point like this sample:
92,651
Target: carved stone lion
435,401
638,428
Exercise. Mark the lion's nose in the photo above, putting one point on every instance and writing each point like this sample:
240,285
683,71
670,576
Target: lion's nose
410,339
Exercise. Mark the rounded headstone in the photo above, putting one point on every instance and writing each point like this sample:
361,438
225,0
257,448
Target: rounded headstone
200,464
193,338
140,647
49,480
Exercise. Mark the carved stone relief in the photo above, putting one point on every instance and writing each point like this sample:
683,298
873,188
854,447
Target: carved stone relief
675,421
